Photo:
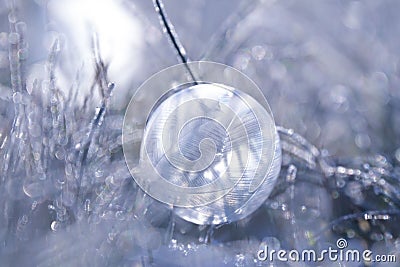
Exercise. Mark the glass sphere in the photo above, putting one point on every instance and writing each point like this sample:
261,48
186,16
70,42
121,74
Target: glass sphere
209,149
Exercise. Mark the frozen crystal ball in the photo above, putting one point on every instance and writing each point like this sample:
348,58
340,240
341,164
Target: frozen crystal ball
208,146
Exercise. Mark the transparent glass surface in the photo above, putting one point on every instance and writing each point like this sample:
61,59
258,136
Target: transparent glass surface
68,69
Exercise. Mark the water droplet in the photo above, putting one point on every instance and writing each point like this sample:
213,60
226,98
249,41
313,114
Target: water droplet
351,233
17,97
99,173
388,236
364,226
397,154
60,154
78,146
274,205
258,52
240,260
87,205
34,205
33,189
119,215
22,54
242,61
24,219
291,173
61,214
54,225
362,140
173,244
111,236
340,183
62,140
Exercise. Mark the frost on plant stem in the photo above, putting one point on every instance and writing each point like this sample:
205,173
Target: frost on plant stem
67,198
